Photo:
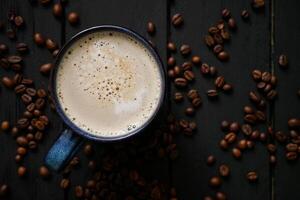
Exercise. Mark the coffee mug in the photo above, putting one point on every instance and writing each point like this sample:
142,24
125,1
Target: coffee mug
73,136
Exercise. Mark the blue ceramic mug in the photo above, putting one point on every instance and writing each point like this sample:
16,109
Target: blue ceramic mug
72,137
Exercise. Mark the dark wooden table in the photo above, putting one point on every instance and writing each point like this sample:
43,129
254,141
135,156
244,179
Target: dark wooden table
256,44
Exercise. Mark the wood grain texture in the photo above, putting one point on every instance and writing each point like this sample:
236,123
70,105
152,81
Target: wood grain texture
286,42
249,49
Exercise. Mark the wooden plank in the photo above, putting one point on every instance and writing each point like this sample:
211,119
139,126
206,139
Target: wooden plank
37,19
287,106
132,14
249,49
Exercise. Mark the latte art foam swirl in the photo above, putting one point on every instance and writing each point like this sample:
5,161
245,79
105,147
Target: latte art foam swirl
108,84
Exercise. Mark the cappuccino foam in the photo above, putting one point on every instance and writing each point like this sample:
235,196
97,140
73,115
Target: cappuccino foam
108,83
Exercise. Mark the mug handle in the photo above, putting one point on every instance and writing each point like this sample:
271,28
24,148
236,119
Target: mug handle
63,150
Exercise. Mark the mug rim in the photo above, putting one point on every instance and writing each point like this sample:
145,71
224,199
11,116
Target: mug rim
60,55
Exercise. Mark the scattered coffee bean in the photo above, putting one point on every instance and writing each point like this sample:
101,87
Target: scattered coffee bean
4,189
223,144
224,170
5,125
225,125
178,97
171,61
11,33
180,82
64,183
215,181
21,151
186,66
272,159
227,87
57,10
236,153
44,2
22,171
212,93
22,123
226,13
151,28
177,20
245,14
19,21
219,82
223,56
185,49
22,47
231,23
254,97
192,94
51,45
73,18
207,198
294,123
209,40
88,150
230,137
171,46
7,82
196,60
79,191
44,172
197,102
291,155
210,160
190,111
291,147
189,75
46,68
271,148
39,39
217,49
252,176
242,144
220,196
26,99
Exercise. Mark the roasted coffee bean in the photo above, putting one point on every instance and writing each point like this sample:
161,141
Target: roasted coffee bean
210,160
260,116
18,158
171,61
294,123
190,111
79,191
213,30
250,118
64,183
291,147
223,144
213,71
189,75
5,125
14,59
44,2
88,150
215,181
258,3
7,82
255,135
177,20
39,125
22,123
273,80
41,93
30,136
16,67
207,198
218,48
204,68
171,73
46,68
227,87
50,44
225,13
250,144
283,61
3,48
14,131
196,60
272,95
192,94
186,66
171,46
31,91
55,53
266,76
17,79
30,107
92,165
220,196
4,189
212,93
151,28
73,18
192,125
38,136
22,171
245,14
280,136
27,81
254,97
263,137
27,114
57,10
36,113
271,148
219,82
19,21
197,102
248,110
22,141
256,75
272,159
261,85
234,127
267,88
209,40
185,49
180,82
21,151
246,129
22,47
230,137
231,23
236,153
291,155
242,144
225,125
39,39
178,97
223,56
4,63
26,99
218,38
252,176
39,103
44,172
32,145
224,170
